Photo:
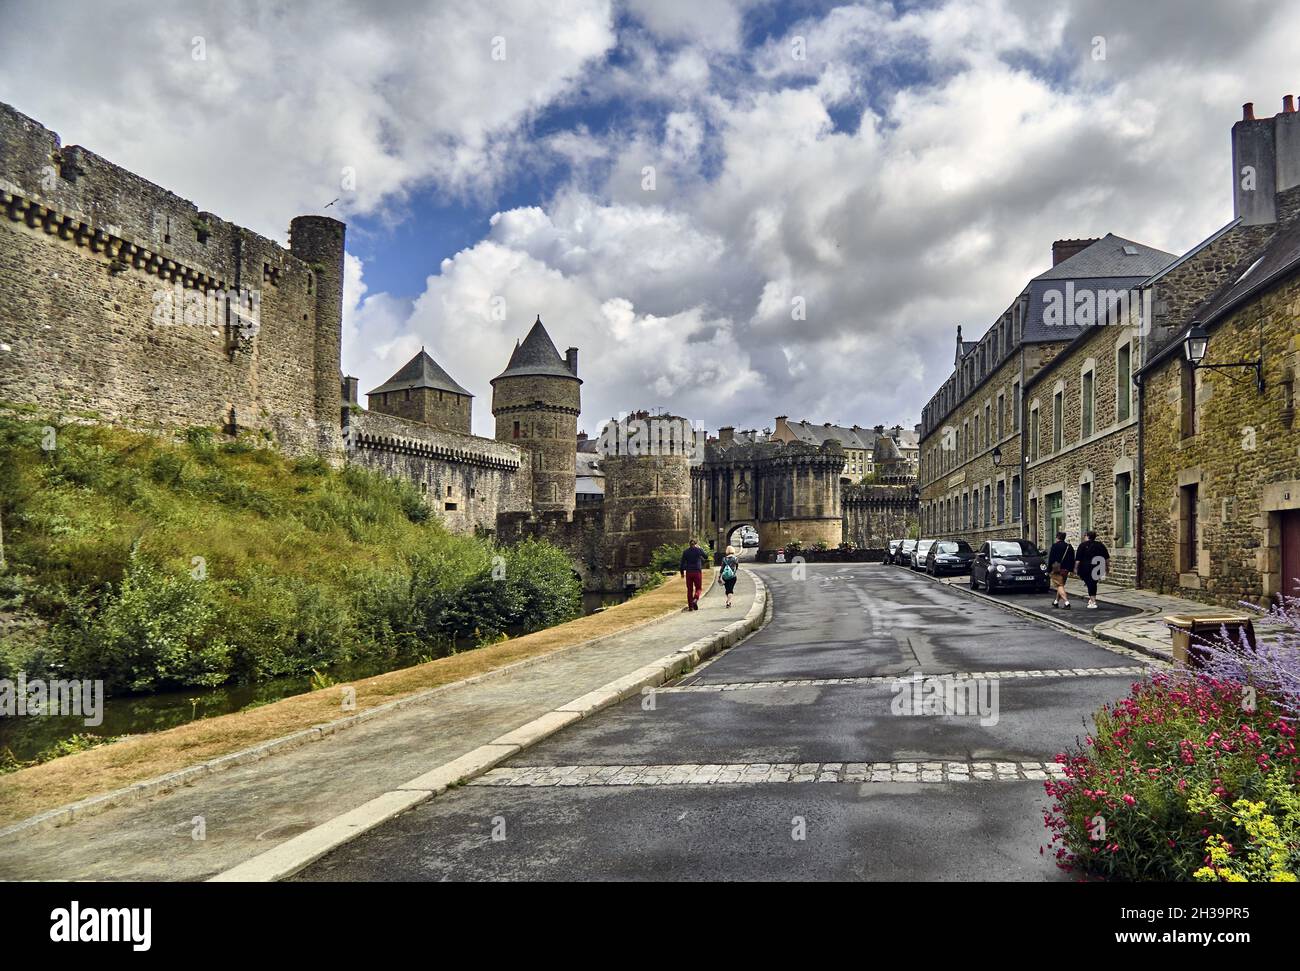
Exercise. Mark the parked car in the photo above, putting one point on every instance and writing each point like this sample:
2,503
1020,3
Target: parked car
1009,564
920,553
892,549
949,556
750,540
903,557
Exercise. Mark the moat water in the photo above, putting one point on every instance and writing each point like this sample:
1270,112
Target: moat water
26,737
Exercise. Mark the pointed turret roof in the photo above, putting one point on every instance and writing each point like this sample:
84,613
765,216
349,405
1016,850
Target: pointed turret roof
536,355
421,371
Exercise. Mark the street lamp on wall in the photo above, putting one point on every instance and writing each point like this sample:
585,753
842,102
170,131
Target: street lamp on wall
997,455
1197,342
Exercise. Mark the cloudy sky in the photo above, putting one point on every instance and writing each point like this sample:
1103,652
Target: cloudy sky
735,208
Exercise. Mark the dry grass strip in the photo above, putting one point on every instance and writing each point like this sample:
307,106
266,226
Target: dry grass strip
138,757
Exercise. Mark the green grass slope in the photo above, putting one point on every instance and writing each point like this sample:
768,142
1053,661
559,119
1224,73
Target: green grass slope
158,564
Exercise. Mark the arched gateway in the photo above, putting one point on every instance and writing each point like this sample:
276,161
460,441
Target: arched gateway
787,491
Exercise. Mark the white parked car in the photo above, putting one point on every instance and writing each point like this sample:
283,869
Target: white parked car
919,554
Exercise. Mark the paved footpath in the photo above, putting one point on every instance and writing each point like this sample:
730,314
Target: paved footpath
789,756
252,808
1133,618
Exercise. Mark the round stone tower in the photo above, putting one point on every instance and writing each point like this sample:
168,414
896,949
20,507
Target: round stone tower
536,401
319,241
646,461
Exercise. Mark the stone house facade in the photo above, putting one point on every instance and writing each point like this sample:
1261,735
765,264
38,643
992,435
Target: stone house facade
981,436
1086,477
1220,513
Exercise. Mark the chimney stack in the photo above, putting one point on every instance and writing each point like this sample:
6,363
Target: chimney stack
350,390
1255,167
571,359
726,435
1063,249
1288,103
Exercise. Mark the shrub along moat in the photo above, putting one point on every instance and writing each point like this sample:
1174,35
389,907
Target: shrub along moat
160,566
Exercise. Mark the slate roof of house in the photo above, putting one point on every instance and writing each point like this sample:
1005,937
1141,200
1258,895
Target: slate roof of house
421,371
906,438
804,431
1111,263
536,355
590,476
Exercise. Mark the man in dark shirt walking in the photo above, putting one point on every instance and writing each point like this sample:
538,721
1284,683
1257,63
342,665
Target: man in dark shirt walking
1060,563
692,569
1092,563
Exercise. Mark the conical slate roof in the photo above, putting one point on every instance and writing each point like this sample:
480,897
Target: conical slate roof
421,371
536,355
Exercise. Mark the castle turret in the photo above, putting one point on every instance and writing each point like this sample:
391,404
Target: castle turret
318,241
422,391
536,401
647,504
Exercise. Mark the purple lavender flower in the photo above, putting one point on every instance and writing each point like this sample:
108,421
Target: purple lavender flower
1272,666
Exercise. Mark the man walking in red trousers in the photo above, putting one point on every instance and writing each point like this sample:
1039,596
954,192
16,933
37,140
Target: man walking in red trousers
693,561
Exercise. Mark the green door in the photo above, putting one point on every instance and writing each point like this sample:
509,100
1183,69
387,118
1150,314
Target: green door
1055,516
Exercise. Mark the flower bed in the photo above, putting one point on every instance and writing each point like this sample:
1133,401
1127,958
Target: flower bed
1189,778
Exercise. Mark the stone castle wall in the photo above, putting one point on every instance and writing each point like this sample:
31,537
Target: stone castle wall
441,409
873,515
581,537
110,304
467,481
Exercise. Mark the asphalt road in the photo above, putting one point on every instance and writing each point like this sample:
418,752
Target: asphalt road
617,810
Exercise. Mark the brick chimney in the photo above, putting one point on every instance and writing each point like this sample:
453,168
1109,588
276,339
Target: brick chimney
726,435
782,430
1063,249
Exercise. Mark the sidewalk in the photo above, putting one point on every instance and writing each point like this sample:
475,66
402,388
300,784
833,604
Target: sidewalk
246,811
1128,617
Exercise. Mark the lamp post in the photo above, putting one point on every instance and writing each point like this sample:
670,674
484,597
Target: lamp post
1197,341
997,455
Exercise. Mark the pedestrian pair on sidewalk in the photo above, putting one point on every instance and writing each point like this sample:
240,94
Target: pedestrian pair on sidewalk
1089,564
692,568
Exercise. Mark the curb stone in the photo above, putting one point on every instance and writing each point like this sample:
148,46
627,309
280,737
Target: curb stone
147,788
294,854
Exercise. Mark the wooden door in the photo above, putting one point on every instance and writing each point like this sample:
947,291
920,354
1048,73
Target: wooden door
1290,552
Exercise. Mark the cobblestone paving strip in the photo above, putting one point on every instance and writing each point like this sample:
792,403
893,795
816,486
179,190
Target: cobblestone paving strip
763,772
1135,669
